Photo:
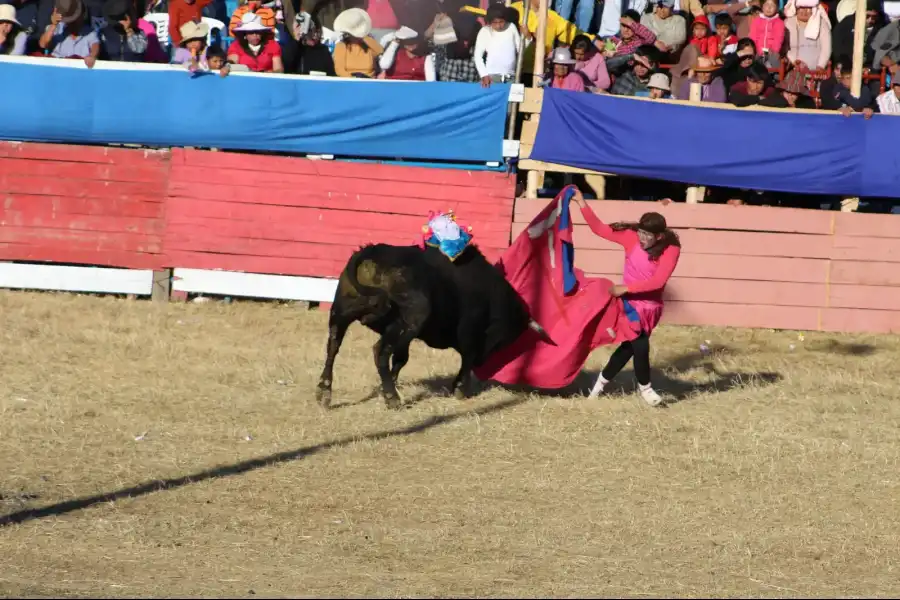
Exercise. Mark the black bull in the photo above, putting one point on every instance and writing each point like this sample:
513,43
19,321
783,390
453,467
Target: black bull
405,293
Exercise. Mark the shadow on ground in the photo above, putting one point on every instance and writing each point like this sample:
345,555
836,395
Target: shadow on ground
150,487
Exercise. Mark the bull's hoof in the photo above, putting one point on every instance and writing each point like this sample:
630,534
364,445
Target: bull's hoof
460,394
392,401
323,397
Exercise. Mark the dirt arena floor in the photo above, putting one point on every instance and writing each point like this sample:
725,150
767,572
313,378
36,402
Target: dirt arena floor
176,450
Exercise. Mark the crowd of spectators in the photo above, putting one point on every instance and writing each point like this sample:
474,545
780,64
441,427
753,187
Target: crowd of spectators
743,52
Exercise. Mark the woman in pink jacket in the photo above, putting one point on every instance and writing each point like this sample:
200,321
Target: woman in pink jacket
767,32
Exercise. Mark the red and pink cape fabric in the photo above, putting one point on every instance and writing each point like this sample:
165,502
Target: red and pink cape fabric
576,311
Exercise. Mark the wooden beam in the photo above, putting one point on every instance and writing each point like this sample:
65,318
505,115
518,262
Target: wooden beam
528,164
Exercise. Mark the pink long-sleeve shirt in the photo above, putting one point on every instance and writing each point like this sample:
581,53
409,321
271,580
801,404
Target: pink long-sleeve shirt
595,70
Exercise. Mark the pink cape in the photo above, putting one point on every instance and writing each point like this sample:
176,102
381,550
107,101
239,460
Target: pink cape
577,312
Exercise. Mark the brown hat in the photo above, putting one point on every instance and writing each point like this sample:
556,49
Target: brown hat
704,65
795,83
69,10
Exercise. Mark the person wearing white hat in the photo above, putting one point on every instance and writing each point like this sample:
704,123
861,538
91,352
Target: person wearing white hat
659,86
12,38
255,46
563,76
405,58
357,53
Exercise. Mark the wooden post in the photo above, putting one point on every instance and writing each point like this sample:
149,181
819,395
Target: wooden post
162,285
539,54
859,47
695,194
520,59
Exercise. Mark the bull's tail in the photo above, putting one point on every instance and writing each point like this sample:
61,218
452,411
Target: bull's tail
381,301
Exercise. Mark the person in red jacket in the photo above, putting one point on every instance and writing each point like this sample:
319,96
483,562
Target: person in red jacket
651,255
703,38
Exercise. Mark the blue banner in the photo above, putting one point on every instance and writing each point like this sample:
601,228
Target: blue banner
166,106
781,151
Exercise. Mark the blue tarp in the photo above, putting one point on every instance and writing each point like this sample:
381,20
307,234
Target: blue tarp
377,119
777,151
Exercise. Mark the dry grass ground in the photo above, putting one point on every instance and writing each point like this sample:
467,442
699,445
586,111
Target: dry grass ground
775,474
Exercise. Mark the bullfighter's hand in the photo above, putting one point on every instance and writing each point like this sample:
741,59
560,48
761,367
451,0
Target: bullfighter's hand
578,197
618,291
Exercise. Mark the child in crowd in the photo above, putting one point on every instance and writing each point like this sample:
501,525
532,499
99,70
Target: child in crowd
725,35
704,40
651,255
767,31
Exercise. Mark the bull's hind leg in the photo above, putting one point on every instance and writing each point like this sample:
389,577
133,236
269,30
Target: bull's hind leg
337,328
393,347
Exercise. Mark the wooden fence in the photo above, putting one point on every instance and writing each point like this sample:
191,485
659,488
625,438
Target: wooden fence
746,266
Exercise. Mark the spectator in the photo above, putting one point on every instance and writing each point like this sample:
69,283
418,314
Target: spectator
792,92
754,88
558,29
212,60
442,30
69,35
631,35
835,94
182,11
767,32
842,38
735,65
712,89
726,38
581,12
12,39
500,40
634,82
357,53
563,76
589,62
255,46
670,29
192,48
889,102
886,45
406,58
809,34
266,15
154,52
120,39
659,87
305,54
701,37
455,61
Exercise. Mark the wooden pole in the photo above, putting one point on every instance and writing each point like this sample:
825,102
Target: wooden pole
695,193
511,126
859,51
534,177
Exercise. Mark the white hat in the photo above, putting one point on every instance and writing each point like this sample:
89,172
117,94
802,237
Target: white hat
251,23
8,14
405,33
194,31
659,81
562,56
355,22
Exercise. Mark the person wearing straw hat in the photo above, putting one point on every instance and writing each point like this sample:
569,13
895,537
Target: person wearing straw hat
563,76
121,39
406,57
194,52
255,46
357,53
182,11
793,93
69,35
13,39
712,89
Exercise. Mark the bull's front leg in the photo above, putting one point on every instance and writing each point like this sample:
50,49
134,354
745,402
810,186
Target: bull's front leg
463,382
337,328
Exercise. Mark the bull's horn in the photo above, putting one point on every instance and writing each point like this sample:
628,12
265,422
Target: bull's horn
540,331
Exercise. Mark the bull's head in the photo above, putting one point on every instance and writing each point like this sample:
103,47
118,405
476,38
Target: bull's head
540,331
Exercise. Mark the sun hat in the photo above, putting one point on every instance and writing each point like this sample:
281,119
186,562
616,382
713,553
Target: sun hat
562,56
405,33
355,22
8,14
705,64
69,10
659,81
251,23
193,31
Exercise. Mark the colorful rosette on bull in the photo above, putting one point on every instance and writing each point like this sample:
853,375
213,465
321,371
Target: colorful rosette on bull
445,234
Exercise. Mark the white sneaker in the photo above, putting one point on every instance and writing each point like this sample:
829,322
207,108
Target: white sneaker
598,387
649,395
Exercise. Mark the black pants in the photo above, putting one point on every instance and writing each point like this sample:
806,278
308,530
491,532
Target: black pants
639,349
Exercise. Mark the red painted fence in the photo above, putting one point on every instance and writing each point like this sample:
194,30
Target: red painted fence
142,209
